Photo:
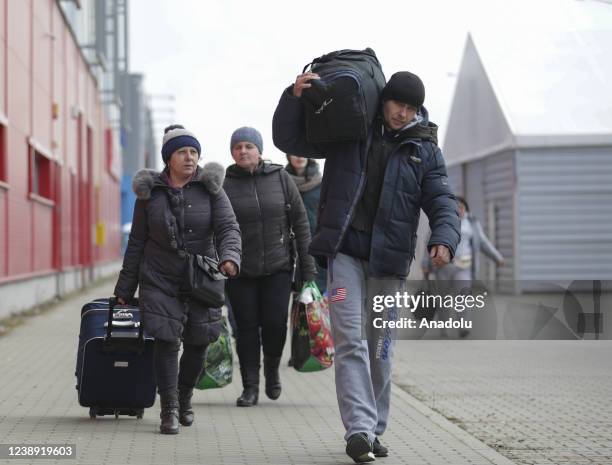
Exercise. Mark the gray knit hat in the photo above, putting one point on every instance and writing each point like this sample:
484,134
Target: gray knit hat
247,134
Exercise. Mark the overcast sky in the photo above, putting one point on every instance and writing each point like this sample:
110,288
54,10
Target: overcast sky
226,62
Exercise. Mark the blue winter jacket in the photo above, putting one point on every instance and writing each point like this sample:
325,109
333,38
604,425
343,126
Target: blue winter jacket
415,178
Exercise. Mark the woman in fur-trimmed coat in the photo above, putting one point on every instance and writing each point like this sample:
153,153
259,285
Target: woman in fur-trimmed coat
182,209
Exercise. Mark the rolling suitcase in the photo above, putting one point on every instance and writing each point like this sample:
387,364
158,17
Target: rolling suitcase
114,367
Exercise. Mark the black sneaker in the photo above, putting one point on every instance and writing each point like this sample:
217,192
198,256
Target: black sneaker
379,450
358,448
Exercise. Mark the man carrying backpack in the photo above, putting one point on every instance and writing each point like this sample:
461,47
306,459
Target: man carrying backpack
371,195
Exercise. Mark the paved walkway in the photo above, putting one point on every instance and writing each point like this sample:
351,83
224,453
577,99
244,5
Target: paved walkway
536,402
38,404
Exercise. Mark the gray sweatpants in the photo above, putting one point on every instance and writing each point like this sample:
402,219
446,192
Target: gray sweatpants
363,367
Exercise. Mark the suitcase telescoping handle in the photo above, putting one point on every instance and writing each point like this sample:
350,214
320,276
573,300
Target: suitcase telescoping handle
112,303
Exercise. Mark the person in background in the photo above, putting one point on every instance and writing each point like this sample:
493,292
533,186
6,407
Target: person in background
465,266
181,210
307,177
306,174
260,194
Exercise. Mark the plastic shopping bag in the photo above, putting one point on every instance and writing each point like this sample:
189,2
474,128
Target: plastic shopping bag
312,346
218,362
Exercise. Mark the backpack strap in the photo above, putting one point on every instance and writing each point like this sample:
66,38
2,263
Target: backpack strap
283,181
292,240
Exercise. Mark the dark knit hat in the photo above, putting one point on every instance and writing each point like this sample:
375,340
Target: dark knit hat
247,134
405,87
175,137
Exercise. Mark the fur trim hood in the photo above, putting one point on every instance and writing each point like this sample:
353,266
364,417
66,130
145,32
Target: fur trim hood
211,175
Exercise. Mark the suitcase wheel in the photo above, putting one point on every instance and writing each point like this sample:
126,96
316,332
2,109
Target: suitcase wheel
116,414
92,413
139,413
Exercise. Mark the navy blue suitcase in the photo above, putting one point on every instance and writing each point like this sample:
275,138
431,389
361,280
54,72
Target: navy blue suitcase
114,367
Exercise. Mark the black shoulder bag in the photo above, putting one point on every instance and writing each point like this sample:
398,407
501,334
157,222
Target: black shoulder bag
203,282
293,250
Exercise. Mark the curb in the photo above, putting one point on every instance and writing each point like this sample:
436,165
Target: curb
440,421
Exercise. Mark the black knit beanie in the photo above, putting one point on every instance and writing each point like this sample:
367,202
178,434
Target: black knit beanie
405,87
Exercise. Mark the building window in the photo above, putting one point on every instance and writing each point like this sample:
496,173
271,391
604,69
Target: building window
3,156
40,174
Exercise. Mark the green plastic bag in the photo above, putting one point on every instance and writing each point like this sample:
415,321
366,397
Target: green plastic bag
312,347
218,362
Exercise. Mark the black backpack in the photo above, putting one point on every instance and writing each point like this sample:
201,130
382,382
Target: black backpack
343,103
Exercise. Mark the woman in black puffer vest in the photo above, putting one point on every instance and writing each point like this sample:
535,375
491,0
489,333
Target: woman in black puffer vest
178,210
259,193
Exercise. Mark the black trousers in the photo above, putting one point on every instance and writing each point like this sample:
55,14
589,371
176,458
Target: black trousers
260,307
170,373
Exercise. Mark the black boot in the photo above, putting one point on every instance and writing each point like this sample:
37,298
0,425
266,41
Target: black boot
250,383
249,397
273,384
185,408
169,413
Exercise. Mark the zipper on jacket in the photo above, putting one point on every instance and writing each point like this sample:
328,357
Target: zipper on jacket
262,223
376,217
360,188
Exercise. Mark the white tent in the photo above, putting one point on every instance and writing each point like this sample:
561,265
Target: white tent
531,90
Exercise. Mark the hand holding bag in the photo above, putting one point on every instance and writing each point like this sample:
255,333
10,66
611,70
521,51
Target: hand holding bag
205,283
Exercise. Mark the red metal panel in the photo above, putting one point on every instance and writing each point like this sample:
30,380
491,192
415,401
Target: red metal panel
74,196
19,96
56,216
42,238
42,53
35,72
58,94
41,116
3,17
3,55
19,208
42,49
71,101
3,233
20,227
79,195
19,33
4,78
88,200
64,215
42,10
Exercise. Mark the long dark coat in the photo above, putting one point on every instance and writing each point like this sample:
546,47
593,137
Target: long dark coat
197,219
